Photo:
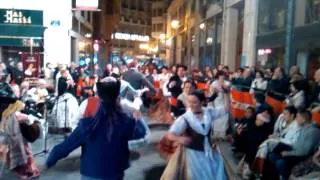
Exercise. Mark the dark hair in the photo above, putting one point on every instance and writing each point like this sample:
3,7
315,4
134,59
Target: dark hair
252,109
199,94
291,110
109,110
261,73
241,70
188,81
164,67
305,113
298,85
219,73
181,66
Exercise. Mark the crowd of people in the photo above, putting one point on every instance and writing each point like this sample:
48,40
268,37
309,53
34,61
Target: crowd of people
102,108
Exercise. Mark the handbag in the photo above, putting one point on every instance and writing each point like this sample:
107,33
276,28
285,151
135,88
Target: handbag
30,132
176,168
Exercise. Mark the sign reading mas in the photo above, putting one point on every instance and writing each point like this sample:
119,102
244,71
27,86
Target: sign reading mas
17,27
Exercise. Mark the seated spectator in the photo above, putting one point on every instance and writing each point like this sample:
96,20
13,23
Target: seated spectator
259,84
309,169
297,96
241,126
236,78
256,133
285,158
283,121
294,74
314,98
279,82
246,79
285,132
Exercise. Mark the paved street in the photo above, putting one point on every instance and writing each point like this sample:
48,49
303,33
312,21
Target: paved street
146,164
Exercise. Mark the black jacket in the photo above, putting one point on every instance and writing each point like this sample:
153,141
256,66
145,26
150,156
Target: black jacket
176,90
137,80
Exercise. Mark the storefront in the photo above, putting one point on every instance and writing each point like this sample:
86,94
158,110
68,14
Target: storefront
21,31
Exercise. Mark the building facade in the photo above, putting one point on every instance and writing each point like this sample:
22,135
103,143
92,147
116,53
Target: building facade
56,35
132,35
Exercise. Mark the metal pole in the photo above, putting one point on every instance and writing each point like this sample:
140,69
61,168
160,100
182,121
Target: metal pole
289,34
31,46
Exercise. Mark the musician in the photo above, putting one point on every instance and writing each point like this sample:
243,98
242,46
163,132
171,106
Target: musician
66,109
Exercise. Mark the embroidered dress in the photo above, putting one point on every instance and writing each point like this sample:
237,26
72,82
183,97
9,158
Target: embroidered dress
203,162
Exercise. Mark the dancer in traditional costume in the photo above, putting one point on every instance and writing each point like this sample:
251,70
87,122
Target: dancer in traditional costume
192,130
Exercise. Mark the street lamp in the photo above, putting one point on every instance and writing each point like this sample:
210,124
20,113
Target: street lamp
162,36
202,26
175,24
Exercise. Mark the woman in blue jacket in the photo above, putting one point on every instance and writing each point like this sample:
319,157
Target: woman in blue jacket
103,137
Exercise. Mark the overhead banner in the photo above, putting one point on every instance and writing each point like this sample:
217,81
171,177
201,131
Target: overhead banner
87,5
31,65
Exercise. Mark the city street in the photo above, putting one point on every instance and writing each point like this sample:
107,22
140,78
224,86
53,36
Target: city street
145,163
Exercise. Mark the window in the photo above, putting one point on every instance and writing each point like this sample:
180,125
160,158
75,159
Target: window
160,12
159,27
82,13
313,11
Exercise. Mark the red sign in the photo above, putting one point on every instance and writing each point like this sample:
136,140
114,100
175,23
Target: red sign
31,65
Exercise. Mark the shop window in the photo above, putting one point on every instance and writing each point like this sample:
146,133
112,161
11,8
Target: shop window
313,11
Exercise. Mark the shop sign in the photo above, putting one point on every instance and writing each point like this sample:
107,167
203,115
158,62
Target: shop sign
13,16
130,37
262,52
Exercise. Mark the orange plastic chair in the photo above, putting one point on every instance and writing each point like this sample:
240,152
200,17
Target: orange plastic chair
316,117
237,113
173,101
277,106
202,86
247,98
156,84
236,95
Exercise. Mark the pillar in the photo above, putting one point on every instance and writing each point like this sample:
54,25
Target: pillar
230,34
250,31
289,36
1,58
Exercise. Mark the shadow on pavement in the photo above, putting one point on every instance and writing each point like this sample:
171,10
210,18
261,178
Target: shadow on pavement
154,173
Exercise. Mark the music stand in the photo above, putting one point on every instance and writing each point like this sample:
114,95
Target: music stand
45,134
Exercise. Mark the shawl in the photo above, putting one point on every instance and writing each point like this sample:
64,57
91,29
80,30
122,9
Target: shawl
10,125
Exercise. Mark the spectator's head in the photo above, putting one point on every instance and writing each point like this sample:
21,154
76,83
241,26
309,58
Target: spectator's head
296,86
164,70
42,83
187,87
250,112
220,76
225,69
48,65
279,72
181,70
196,100
220,67
268,73
289,113
259,74
294,70
262,118
20,66
246,73
259,98
317,76
116,73
303,117
73,65
64,73
109,67
296,77
239,71
174,69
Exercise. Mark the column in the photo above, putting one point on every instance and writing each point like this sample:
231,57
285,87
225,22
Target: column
215,41
230,34
300,12
250,32
289,35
